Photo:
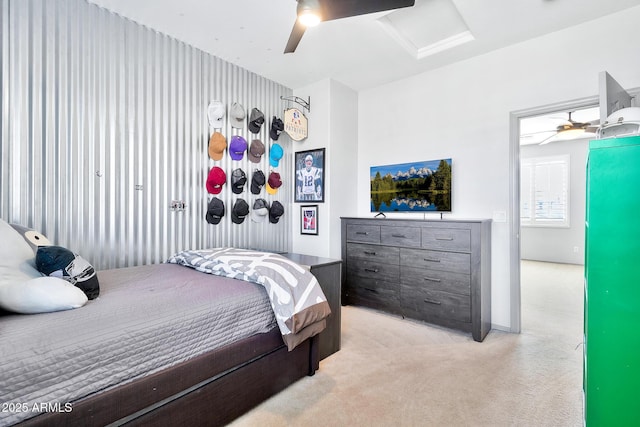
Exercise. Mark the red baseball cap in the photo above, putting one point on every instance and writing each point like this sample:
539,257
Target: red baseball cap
273,183
216,179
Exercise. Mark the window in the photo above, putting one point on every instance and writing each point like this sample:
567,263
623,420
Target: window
544,191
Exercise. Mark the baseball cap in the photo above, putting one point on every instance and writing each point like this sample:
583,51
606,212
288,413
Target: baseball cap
257,181
260,210
238,180
275,154
216,179
276,211
237,147
277,126
215,211
217,144
237,115
215,114
256,119
273,183
256,150
240,211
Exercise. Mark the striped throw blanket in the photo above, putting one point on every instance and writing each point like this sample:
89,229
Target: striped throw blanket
299,305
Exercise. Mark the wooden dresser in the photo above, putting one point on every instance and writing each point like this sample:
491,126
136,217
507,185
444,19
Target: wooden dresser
438,271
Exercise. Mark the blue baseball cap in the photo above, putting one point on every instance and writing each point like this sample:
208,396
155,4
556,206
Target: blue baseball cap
275,154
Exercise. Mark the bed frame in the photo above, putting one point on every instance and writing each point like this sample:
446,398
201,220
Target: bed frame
213,388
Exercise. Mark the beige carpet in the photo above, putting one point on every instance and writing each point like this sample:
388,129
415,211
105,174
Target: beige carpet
395,372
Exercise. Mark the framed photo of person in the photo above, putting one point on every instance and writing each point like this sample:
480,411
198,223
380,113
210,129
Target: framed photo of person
309,179
309,219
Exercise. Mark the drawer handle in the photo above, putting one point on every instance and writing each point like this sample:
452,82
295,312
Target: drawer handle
371,270
371,290
431,260
431,279
430,301
362,232
401,236
369,253
444,238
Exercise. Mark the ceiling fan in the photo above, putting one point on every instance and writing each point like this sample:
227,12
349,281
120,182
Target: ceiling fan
312,12
566,130
571,130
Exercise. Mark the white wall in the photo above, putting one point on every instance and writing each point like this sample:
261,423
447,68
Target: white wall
462,111
557,244
333,126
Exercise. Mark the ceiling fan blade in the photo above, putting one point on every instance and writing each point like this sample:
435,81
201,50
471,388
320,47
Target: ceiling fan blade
294,37
547,139
336,9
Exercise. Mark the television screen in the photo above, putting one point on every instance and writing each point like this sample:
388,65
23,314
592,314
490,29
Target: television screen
412,187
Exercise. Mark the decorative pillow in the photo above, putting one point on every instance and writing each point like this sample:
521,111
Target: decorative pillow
60,262
41,295
22,288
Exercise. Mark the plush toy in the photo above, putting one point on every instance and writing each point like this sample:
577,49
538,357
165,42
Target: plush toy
34,238
57,261
23,289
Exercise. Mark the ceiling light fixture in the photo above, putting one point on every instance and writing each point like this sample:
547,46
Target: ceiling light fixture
570,131
309,12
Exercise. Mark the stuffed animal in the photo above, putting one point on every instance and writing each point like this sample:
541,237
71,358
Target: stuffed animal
23,289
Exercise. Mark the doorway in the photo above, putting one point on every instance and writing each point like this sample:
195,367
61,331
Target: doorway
516,124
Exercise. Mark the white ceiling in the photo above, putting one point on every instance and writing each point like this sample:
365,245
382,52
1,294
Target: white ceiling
360,52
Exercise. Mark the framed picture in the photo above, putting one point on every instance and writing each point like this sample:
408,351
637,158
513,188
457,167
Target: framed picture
309,179
309,219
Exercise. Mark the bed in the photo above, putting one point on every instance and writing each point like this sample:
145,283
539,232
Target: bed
162,345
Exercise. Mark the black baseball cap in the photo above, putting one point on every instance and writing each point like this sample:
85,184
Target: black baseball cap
276,211
256,119
257,181
215,211
276,127
238,180
240,211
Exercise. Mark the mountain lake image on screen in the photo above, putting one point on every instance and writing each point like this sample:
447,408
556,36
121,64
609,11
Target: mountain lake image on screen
412,187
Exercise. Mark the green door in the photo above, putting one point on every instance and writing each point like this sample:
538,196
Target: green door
612,284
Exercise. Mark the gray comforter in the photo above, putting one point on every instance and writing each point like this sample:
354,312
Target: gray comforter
147,318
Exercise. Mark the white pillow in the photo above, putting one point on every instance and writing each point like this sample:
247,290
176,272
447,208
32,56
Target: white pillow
22,288
41,295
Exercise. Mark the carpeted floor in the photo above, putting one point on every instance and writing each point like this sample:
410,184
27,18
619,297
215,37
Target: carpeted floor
396,372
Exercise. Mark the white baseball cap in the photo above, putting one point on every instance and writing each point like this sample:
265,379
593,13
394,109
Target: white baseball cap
215,114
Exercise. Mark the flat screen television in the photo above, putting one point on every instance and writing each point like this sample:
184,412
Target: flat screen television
412,187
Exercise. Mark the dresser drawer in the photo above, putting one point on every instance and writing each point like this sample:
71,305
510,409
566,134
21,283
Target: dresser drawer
400,236
363,233
447,239
372,269
439,307
373,293
384,254
436,260
456,283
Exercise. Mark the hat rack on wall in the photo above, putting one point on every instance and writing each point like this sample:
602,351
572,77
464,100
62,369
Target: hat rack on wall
306,104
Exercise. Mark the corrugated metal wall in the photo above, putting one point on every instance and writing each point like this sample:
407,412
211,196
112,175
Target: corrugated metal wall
104,123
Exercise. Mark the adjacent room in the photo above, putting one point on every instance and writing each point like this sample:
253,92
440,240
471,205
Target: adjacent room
406,213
